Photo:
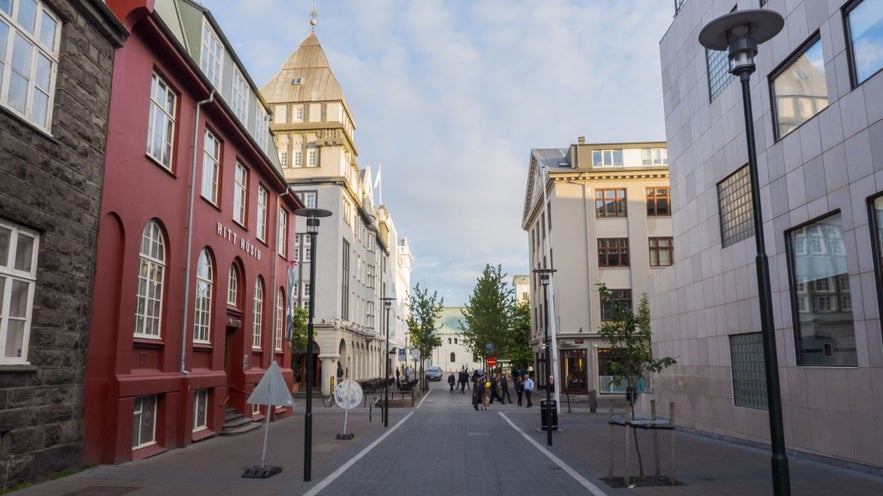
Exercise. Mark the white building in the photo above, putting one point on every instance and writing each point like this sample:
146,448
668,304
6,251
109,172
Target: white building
453,355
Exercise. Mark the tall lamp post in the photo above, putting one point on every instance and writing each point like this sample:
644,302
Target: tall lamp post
387,304
544,280
739,33
312,215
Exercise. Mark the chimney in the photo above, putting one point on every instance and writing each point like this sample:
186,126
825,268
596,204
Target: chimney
581,140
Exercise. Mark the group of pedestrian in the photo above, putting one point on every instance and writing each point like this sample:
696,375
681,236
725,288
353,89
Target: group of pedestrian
486,389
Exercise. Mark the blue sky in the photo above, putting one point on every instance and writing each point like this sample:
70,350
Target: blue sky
450,96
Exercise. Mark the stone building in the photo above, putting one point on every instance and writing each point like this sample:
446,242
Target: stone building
53,123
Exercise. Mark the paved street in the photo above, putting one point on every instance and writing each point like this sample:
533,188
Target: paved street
444,447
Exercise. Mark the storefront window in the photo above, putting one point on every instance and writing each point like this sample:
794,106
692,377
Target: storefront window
574,368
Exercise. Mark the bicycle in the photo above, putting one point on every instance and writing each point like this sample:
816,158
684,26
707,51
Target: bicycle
328,400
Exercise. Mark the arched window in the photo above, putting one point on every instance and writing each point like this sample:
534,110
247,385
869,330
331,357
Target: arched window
258,313
453,357
203,301
233,287
151,276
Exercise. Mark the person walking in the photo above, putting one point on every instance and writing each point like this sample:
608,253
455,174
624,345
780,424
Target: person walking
461,381
451,381
486,392
504,396
477,392
495,389
519,388
528,389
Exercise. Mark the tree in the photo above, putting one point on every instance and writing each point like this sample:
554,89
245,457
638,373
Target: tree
425,311
488,315
629,336
519,350
299,317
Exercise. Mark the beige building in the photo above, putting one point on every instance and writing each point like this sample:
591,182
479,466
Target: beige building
359,257
594,212
818,122
453,354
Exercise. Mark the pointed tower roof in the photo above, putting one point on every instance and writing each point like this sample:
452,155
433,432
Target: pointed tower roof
305,76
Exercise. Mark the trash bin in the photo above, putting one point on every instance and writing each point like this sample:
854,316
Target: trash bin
553,412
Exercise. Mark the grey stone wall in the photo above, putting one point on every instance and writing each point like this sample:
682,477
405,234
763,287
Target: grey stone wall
52,183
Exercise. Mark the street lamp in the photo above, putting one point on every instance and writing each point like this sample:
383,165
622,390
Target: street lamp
544,280
739,33
312,215
387,304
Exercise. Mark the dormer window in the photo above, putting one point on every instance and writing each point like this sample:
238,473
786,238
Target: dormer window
297,80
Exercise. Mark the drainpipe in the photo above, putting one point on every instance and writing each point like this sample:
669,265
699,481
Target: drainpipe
187,264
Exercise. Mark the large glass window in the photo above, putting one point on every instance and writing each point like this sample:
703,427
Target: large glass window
661,251
749,376
864,20
29,39
18,276
821,295
280,320
261,126
606,158
574,368
202,317
308,198
212,55
282,242
799,89
654,156
240,93
610,203
211,167
734,204
613,252
719,76
263,213
345,280
658,202
233,287
619,298
161,122
151,278
258,314
240,191
144,422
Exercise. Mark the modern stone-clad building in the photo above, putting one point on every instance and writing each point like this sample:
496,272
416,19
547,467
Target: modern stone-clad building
596,213
56,61
818,119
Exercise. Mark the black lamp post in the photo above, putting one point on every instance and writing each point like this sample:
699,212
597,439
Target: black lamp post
544,280
739,33
312,215
387,304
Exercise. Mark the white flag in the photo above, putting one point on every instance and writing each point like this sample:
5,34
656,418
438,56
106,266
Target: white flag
377,179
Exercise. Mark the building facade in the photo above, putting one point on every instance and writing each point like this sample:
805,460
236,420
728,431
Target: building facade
56,61
453,355
816,97
595,213
195,238
313,129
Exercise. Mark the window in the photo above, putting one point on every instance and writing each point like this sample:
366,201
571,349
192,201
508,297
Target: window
29,39
606,158
151,275
823,326
864,23
263,213
257,314
161,122
610,203
239,102
312,155
453,357
654,156
307,198
661,252
719,76
143,423
202,317
298,160
613,252
282,242
876,211
283,158
345,280
240,190
606,359
18,276
233,287
200,409
307,248
658,202
211,167
799,89
749,371
618,298
369,279
280,320
261,126
575,366
212,55
734,204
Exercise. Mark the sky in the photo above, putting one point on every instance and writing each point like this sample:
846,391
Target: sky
450,96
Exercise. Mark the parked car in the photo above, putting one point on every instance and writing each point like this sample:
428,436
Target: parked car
434,374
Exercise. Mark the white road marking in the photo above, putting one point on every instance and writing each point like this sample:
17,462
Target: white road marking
573,473
343,468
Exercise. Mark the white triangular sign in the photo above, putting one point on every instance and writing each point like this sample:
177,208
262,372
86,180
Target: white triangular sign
271,390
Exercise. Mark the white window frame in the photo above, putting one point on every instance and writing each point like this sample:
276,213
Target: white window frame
312,156
17,270
298,158
161,121
202,303
263,213
280,320
200,415
33,77
211,167
240,194
282,242
151,282
239,95
233,287
257,314
145,416
261,126
212,60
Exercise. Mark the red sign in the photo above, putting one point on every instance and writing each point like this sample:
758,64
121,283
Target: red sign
491,361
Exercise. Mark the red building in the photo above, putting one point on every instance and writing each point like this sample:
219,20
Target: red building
194,240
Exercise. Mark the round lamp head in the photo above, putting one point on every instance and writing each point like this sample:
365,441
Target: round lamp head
739,33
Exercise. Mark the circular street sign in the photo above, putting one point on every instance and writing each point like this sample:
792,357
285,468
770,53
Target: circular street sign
491,362
348,394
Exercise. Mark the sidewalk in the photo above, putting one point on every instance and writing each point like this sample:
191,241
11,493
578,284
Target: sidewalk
214,467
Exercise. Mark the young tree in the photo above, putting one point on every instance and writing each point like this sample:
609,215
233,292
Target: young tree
425,311
519,350
299,317
488,315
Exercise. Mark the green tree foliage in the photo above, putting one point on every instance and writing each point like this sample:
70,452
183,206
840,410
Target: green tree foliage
519,350
425,312
299,321
488,315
